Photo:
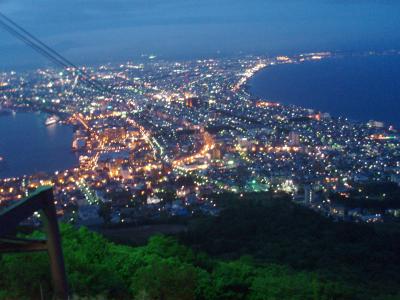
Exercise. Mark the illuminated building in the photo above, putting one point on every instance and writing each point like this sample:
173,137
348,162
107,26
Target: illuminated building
308,193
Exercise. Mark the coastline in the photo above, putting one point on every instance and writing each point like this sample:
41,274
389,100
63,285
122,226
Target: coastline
43,142
293,76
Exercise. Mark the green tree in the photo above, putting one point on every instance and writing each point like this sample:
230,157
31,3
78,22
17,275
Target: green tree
165,279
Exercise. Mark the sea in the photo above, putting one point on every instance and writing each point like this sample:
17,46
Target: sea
28,146
360,88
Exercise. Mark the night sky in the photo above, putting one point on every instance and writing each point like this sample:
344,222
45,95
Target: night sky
100,31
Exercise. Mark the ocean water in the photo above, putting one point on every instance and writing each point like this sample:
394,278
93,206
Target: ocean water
360,88
28,146
101,31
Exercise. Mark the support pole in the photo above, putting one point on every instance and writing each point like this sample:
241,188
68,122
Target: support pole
54,247
41,200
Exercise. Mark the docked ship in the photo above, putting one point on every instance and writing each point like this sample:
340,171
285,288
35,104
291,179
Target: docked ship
52,120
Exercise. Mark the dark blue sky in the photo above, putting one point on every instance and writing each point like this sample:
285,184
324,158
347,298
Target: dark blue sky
116,30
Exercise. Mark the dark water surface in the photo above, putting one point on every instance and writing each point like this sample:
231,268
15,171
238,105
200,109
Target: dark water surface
100,31
28,146
360,88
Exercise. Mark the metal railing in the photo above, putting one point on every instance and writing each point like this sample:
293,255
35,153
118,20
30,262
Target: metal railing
41,200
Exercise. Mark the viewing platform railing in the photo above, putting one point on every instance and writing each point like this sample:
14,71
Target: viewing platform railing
42,200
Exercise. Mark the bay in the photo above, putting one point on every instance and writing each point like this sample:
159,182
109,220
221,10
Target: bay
28,146
360,88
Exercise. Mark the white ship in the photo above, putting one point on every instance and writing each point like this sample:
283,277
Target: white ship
52,120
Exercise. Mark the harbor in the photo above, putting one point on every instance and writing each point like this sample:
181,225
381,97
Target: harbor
29,144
